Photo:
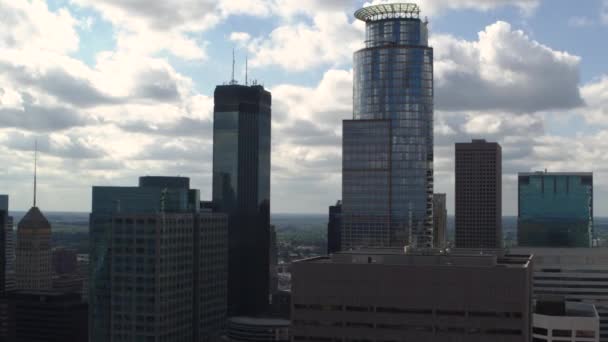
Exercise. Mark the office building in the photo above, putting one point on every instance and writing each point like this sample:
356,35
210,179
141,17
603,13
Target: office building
478,205
334,225
46,316
33,252
555,209
158,264
274,261
370,295
249,329
3,223
576,274
555,320
440,220
241,189
65,261
387,148
10,277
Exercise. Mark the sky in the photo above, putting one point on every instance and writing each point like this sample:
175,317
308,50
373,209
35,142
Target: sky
117,89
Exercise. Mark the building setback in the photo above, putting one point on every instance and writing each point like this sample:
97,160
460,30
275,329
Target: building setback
577,274
241,189
334,237
478,205
555,209
387,148
387,295
440,220
159,264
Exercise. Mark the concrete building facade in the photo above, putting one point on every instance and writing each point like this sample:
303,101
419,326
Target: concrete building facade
556,320
387,295
577,274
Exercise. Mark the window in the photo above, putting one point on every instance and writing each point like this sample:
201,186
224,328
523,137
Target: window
540,331
562,333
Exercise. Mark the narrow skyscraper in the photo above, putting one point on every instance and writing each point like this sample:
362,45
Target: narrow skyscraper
440,220
334,226
241,189
555,209
33,251
478,195
387,168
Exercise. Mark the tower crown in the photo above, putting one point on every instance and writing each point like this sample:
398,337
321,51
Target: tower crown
388,11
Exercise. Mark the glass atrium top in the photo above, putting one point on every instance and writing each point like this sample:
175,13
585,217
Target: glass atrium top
388,11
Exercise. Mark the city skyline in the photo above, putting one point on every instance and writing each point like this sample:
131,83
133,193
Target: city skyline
103,118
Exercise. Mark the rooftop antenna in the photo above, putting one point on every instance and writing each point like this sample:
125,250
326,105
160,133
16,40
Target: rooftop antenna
232,81
246,70
35,168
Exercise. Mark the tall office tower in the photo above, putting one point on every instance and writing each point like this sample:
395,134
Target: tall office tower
3,222
241,189
440,220
577,274
334,227
387,166
158,264
65,261
33,252
555,209
478,195
370,296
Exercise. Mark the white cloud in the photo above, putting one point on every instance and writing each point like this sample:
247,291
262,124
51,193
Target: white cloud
503,70
595,94
329,40
241,38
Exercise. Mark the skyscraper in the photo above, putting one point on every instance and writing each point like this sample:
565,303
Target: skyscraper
3,219
440,220
241,189
387,168
555,209
158,264
33,252
478,195
334,226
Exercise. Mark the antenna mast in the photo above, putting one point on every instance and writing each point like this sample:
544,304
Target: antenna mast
35,168
233,81
246,70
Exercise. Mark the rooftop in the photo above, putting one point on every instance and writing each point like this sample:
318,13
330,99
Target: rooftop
34,219
388,11
545,173
428,257
259,321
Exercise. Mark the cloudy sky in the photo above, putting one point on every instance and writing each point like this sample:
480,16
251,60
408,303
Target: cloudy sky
115,89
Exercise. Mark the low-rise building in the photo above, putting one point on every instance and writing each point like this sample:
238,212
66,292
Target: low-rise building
555,320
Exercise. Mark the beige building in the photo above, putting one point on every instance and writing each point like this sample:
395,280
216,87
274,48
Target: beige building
561,321
33,252
389,296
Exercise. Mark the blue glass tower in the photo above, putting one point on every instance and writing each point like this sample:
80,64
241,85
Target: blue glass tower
387,165
555,209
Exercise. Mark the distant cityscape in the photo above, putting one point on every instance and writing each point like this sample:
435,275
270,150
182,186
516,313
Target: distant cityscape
154,261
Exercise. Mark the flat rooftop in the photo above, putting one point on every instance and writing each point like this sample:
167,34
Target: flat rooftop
543,173
428,257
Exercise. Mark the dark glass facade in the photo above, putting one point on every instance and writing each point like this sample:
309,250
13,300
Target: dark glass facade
388,146
3,223
241,189
334,237
478,195
555,209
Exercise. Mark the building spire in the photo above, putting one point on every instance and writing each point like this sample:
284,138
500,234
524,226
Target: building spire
246,70
35,168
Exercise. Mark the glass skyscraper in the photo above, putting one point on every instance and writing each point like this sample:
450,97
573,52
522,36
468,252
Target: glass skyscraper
387,165
241,189
555,209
